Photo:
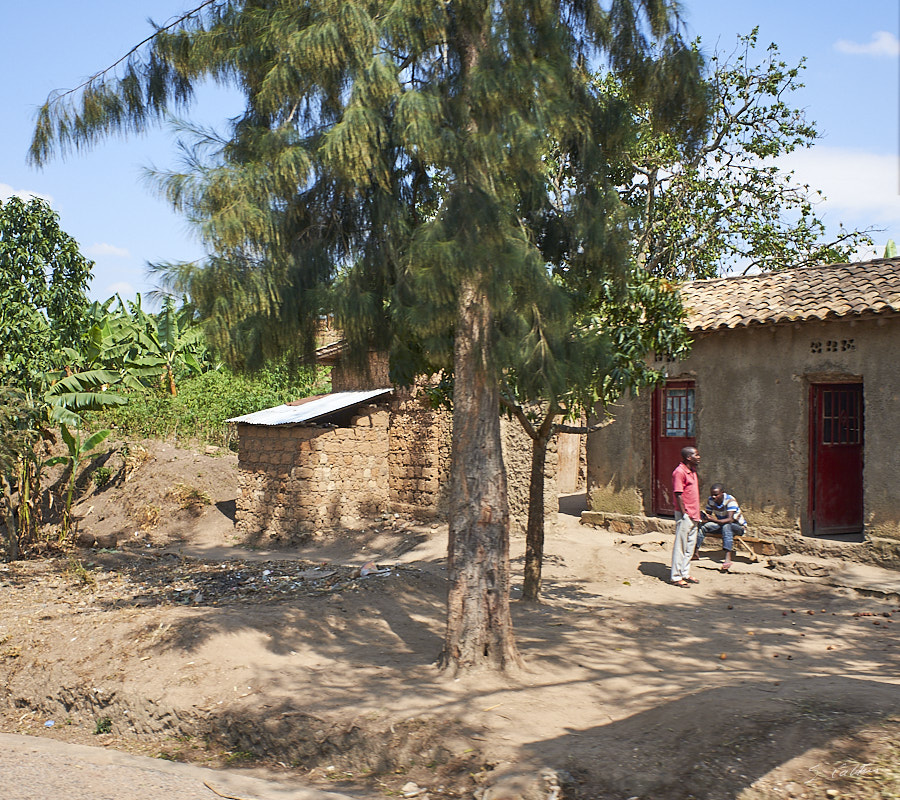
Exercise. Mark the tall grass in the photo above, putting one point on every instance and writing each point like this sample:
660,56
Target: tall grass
203,403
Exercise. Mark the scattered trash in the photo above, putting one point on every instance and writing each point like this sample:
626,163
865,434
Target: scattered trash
371,568
49,723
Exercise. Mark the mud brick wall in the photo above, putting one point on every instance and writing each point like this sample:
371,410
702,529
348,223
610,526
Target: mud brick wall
349,377
296,480
419,455
517,458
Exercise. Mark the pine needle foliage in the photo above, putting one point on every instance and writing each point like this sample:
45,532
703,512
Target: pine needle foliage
390,164
387,147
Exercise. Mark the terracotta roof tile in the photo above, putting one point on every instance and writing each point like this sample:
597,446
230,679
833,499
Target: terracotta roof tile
810,293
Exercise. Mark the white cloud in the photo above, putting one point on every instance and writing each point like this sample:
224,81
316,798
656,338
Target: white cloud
7,191
102,249
883,43
862,189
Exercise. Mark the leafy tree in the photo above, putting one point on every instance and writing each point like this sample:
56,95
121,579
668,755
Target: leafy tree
358,116
698,209
727,204
169,340
43,280
603,354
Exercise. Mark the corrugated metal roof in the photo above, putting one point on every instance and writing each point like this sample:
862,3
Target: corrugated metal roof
315,408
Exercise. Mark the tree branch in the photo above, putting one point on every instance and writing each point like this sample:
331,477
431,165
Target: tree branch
134,49
583,428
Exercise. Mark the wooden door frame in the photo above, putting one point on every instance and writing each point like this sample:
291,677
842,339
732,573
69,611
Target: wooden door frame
813,440
657,400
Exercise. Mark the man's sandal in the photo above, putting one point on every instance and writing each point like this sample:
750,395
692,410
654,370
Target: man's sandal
682,584
692,580
725,566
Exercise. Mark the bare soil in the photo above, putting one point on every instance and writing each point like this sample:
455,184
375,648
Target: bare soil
183,642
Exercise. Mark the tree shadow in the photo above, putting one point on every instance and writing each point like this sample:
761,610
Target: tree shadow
638,667
674,751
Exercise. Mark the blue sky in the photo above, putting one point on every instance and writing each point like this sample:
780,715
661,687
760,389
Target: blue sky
853,63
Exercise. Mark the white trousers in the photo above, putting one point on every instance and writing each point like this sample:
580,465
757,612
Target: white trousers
685,542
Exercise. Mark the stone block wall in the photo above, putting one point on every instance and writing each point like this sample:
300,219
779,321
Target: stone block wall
295,480
374,374
299,479
419,455
517,447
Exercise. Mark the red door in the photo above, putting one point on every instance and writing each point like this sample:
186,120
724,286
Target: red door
672,421
836,458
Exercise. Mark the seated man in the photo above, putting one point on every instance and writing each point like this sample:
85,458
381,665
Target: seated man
722,515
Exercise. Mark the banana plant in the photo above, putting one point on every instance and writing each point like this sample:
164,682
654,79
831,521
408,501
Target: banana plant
108,361
78,449
167,340
20,467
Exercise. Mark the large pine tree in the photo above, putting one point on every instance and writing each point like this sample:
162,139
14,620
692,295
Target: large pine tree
393,153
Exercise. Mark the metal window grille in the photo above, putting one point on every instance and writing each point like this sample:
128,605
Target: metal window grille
679,412
841,416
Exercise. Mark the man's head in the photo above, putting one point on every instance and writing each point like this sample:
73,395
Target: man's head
717,493
690,456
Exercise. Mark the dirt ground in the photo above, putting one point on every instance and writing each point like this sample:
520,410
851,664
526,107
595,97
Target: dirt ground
185,643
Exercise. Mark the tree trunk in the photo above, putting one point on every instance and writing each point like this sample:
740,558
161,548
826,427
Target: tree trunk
170,378
12,534
534,533
479,626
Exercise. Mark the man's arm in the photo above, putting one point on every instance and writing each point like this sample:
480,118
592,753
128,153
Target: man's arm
679,504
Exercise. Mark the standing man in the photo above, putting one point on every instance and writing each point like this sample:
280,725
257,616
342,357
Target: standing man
687,514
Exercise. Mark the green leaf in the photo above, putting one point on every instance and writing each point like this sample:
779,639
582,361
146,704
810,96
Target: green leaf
94,439
69,439
61,414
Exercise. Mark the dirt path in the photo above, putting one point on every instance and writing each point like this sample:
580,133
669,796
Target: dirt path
758,684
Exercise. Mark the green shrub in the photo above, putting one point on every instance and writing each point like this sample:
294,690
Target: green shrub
101,476
203,403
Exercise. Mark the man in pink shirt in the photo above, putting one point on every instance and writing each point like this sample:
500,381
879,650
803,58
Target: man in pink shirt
687,514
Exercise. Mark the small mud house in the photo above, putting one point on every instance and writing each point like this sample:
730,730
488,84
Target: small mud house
328,462
791,393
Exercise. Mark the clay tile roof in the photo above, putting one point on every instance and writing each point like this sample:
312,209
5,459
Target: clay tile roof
809,293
